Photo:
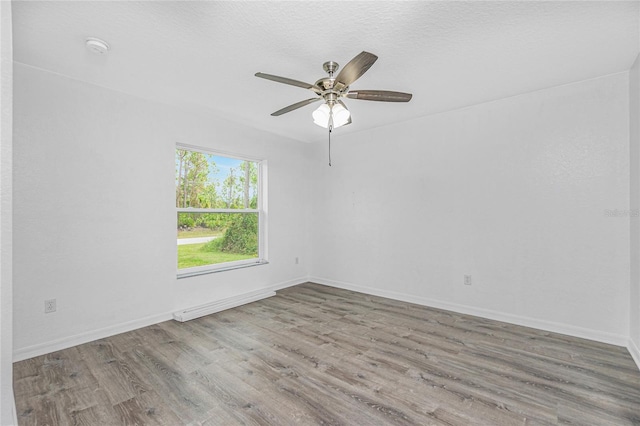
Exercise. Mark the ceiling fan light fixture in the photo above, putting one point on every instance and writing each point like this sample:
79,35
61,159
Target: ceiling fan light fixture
323,115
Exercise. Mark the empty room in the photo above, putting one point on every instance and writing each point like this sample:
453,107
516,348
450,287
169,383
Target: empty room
304,213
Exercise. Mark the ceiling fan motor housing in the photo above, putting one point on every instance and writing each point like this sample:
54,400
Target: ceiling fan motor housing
325,83
332,89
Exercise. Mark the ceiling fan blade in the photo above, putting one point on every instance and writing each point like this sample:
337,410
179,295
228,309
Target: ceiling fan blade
289,81
379,95
295,106
356,67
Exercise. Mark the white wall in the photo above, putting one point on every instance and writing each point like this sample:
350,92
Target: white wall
94,223
512,192
7,406
634,152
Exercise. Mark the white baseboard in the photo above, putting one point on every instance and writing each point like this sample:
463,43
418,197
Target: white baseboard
78,339
634,351
89,336
289,283
571,330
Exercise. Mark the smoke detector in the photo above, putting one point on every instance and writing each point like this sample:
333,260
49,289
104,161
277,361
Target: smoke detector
97,46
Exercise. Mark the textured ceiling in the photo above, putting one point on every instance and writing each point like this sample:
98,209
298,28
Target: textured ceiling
448,54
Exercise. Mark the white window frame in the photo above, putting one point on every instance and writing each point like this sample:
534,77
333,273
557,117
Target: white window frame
261,210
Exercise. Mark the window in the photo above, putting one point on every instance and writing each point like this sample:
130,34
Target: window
220,212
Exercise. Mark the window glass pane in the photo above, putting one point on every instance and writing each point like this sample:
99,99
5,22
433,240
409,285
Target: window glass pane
212,238
215,182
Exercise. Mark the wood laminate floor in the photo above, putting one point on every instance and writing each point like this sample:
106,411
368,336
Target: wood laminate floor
319,355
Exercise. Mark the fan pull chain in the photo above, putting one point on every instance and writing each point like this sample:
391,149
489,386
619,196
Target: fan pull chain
330,128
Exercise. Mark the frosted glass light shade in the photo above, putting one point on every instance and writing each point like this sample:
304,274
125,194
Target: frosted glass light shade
340,115
321,115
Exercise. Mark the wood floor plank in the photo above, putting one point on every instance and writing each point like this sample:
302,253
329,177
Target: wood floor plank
146,409
319,355
181,355
183,396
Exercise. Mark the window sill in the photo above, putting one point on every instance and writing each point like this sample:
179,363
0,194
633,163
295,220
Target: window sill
182,275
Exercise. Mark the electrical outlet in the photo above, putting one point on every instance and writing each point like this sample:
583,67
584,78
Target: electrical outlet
49,306
467,280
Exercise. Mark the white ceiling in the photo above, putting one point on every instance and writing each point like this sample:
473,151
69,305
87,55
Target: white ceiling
448,54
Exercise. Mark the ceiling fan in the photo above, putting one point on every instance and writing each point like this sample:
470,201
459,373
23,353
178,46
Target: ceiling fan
333,112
